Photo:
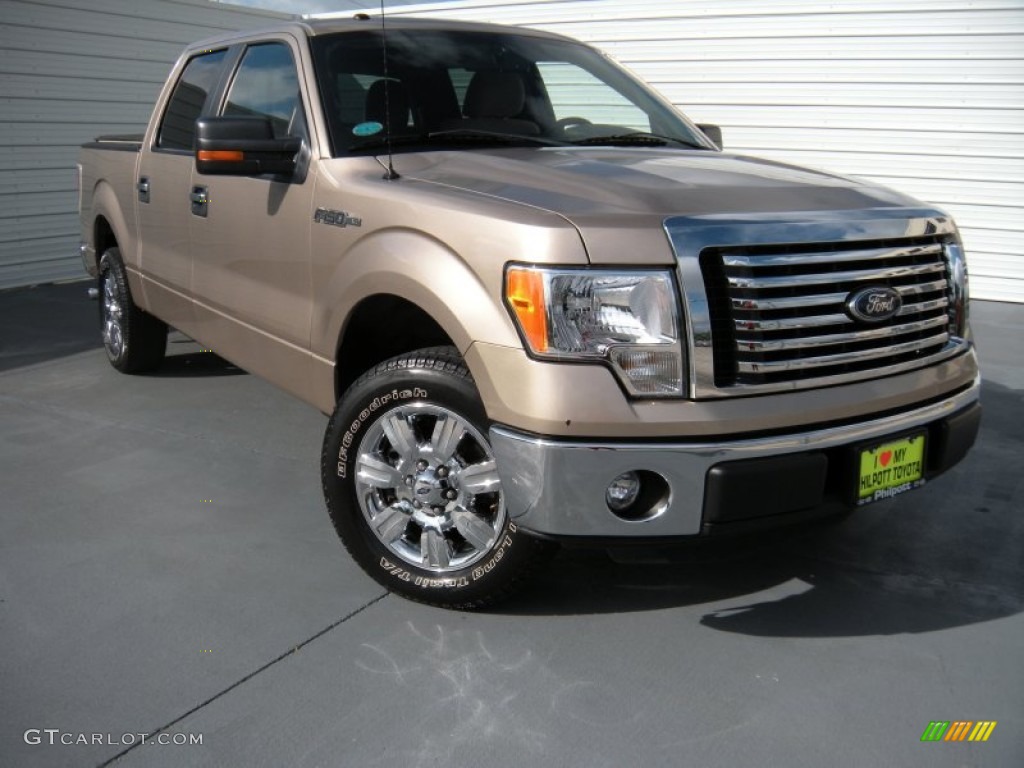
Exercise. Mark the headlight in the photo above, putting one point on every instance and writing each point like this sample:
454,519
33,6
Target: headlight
628,320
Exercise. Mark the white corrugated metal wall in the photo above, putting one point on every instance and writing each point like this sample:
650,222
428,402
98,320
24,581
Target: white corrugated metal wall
924,95
71,70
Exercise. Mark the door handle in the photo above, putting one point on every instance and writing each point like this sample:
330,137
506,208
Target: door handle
143,188
200,201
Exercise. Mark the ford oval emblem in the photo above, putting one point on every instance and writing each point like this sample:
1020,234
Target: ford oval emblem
874,305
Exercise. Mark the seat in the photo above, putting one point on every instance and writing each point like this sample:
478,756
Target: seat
494,101
387,103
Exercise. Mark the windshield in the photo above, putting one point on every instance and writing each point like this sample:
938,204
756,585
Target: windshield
470,88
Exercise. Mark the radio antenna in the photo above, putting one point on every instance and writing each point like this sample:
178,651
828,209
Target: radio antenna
391,175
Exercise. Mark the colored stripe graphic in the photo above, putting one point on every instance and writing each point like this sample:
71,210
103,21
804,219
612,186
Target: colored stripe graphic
982,730
959,730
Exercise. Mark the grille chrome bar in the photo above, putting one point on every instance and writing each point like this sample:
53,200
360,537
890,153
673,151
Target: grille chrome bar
793,323
845,358
829,299
921,288
880,274
924,306
791,302
822,321
813,259
758,345
826,299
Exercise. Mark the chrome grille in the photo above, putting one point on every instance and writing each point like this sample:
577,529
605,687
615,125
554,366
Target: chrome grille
779,313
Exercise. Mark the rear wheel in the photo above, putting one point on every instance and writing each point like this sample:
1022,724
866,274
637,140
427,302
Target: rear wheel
413,489
135,340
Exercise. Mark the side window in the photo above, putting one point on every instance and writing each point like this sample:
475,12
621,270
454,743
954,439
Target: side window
178,127
267,85
575,92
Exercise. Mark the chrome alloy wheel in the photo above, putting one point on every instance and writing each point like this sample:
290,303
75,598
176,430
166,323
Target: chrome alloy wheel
428,487
113,316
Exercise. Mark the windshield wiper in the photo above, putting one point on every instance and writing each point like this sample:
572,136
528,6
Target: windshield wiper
395,141
457,136
478,135
636,138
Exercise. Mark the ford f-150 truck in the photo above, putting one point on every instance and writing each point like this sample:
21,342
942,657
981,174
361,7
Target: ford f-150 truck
540,303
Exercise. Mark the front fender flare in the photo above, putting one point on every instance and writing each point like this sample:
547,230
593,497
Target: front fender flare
422,271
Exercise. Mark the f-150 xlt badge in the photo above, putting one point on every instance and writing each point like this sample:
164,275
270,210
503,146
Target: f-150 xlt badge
874,305
336,218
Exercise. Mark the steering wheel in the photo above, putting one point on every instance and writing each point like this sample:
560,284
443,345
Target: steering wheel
569,122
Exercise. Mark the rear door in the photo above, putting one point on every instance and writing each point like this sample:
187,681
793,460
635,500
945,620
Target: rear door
163,189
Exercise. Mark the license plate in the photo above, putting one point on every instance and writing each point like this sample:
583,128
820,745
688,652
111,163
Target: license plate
890,469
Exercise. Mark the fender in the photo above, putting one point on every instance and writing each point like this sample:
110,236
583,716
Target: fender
440,248
421,270
105,204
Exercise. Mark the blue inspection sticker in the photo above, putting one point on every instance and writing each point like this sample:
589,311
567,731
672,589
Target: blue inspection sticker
367,129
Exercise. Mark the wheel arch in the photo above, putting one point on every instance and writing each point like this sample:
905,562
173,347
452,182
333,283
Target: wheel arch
380,327
109,227
397,291
103,237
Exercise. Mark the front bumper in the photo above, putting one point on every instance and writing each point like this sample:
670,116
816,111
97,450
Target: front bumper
557,488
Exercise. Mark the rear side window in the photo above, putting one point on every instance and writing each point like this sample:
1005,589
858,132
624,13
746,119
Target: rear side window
178,127
267,85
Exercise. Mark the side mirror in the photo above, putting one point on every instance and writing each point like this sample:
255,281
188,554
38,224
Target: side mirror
713,132
243,146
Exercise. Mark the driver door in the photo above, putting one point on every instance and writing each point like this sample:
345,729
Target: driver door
250,235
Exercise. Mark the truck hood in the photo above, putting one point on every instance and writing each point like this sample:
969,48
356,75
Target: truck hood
580,182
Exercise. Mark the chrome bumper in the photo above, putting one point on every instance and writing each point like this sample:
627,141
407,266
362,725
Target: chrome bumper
558,488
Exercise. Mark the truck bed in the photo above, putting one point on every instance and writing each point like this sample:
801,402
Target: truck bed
107,168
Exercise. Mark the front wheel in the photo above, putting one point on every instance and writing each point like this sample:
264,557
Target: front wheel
413,489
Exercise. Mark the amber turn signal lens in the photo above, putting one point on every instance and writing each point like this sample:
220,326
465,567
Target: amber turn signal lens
524,290
221,155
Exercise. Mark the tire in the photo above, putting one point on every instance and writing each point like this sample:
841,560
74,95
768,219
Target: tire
135,340
412,488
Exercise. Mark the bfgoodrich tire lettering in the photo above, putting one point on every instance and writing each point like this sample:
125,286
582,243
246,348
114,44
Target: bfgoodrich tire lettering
412,486
135,341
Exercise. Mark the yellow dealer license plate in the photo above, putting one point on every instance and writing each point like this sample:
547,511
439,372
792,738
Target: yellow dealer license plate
890,469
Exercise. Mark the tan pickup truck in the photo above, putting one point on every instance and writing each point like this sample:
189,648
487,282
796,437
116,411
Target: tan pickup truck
540,303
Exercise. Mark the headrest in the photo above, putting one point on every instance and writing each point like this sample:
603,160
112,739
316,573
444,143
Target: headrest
382,94
495,94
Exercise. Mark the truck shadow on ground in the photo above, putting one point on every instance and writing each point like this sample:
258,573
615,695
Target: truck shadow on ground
185,359
196,364
948,555
44,324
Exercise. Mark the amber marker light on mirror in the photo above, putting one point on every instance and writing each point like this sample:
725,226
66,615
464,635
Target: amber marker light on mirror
524,290
221,155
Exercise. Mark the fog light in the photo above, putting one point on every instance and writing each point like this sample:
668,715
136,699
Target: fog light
623,491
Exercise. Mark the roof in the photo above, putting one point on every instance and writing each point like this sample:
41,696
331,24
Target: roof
362,22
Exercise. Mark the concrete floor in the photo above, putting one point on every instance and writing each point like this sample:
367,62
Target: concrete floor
167,567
